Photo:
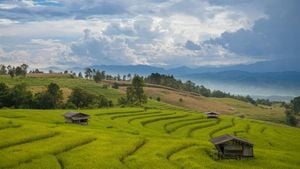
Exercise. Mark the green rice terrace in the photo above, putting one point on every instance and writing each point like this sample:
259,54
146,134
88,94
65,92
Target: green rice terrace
162,136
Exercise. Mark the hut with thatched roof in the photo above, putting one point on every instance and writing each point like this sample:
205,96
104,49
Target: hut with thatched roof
229,146
77,118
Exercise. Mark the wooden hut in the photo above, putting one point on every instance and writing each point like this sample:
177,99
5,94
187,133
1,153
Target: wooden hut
212,114
76,117
229,146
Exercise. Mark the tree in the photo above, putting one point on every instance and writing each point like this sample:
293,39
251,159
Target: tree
55,93
3,69
80,75
118,77
189,86
104,102
115,85
20,96
130,96
50,99
11,71
80,98
129,76
103,75
19,71
24,68
4,95
204,91
266,102
97,77
290,117
88,73
135,92
42,101
296,104
122,101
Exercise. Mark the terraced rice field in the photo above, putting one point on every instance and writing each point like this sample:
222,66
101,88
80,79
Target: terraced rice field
138,138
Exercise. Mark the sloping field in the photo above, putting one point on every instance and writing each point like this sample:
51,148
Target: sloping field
37,83
223,105
162,137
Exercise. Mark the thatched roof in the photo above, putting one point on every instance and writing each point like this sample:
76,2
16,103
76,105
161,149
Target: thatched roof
226,138
74,114
211,112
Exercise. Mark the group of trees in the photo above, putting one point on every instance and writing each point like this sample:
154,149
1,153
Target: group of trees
170,81
98,75
82,99
14,71
19,97
292,109
134,93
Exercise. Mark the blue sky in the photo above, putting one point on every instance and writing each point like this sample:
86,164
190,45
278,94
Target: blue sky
167,33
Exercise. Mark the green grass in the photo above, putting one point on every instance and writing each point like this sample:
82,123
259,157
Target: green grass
157,136
36,83
266,113
135,138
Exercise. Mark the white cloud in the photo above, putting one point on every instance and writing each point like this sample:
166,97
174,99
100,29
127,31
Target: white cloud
8,6
5,22
152,44
68,28
121,32
41,53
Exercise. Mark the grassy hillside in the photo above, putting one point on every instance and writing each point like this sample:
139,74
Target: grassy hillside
224,105
161,137
38,83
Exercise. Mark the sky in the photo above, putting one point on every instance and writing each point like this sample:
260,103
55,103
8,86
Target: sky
164,33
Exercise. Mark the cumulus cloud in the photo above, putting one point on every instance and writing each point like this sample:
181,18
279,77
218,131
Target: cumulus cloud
153,32
276,37
145,41
40,53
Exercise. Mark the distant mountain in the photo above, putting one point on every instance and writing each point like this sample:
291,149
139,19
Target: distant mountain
256,84
132,69
259,67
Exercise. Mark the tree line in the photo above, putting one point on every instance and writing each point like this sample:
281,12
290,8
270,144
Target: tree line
14,71
89,73
189,86
19,96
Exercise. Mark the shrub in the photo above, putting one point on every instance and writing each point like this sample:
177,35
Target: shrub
69,105
290,118
105,86
122,101
115,85
81,98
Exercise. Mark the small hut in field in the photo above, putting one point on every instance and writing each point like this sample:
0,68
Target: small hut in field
76,118
212,114
229,146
